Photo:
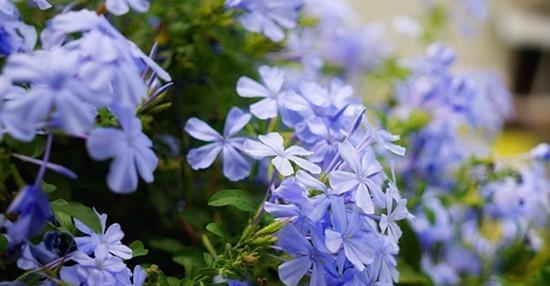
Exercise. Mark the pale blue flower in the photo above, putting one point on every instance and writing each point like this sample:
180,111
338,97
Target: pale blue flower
101,269
130,149
42,4
121,7
348,233
113,64
55,89
388,221
271,145
364,168
110,237
270,89
139,276
235,166
384,267
16,37
8,10
306,256
269,17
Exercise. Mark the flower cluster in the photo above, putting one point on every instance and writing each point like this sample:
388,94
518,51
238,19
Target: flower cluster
97,258
464,110
510,203
84,68
341,207
65,85
339,40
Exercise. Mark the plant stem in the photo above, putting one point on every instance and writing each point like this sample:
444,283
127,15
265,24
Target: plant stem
45,160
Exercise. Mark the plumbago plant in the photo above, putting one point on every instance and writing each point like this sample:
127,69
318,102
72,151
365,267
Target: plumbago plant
326,182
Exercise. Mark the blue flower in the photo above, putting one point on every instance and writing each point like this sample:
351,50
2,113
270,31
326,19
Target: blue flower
270,89
56,90
121,7
271,145
235,166
101,269
113,64
306,257
109,237
33,210
362,179
319,203
388,221
16,37
139,276
347,232
9,120
384,267
42,4
269,17
130,149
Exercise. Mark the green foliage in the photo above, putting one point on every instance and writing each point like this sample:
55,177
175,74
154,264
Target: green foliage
138,249
236,198
64,212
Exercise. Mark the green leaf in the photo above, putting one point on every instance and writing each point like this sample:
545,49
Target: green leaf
79,211
407,275
3,243
167,244
32,149
48,188
237,198
138,249
217,229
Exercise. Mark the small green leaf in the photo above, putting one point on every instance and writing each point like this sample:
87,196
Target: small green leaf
79,211
217,230
167,244
32,149
48,188
430,215
237,198
3,243
138,249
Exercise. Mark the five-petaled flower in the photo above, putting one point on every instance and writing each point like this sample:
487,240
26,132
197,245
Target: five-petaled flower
271,145
235,166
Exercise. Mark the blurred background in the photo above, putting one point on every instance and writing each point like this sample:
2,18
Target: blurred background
513,38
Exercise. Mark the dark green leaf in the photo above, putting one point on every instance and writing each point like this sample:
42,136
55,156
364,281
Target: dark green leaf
217,230
3,243
48,188
79,211
138,249
237,198
167,244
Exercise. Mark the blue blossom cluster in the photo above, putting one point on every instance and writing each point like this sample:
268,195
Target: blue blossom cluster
91,259
465,111
339,40
62,87
84,67
461,234
328,183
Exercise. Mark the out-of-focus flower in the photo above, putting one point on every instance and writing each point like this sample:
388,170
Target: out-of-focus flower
268,17
270,89
33,210
121,7
130,149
